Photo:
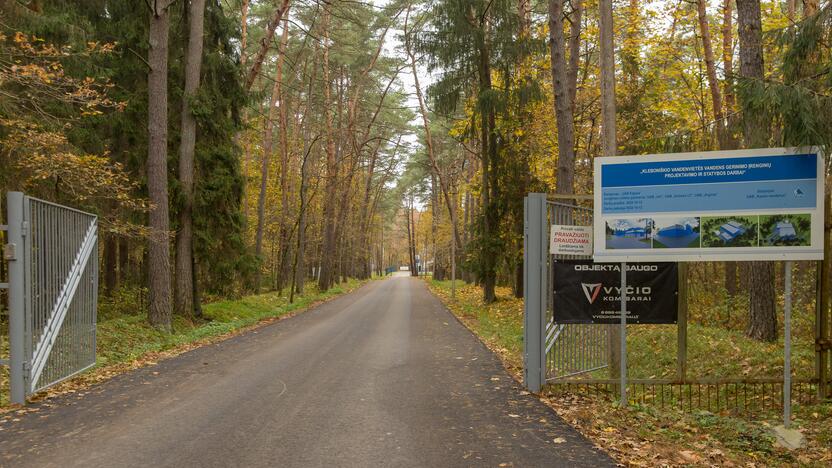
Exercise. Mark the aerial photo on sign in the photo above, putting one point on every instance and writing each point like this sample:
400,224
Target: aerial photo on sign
722,205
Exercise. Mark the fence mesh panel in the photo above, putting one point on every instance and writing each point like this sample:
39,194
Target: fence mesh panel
572,350
62,250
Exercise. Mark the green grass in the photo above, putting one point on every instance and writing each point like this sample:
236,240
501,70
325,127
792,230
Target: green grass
123,336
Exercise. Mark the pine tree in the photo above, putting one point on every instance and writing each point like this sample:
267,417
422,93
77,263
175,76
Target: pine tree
762,323
158,257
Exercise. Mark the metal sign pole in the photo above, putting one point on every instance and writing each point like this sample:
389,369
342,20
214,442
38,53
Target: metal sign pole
787,345
623,360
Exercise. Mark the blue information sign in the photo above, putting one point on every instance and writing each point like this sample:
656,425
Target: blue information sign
726,205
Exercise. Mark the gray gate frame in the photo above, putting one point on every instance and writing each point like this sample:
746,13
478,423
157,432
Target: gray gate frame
26,363
535,289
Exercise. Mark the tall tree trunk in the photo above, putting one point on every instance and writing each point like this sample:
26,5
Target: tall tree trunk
564,78
110,264
728,54
284,237
244,32
434,167
490,189
158,258
730,141
438,268
608,138
184,297
410,247
265,44
762,323
299,265
710,67
268,143
723,138
330,199
123,260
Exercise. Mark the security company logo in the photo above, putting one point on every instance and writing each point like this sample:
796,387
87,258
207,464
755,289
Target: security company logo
591,291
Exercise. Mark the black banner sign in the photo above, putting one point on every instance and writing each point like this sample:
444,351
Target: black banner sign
587,292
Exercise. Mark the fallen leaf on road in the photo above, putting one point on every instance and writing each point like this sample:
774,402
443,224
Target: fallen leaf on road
559,440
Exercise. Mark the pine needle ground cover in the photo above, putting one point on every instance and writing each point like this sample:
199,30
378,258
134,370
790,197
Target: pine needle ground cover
125,340
646,435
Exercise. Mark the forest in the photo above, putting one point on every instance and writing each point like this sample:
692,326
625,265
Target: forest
234,147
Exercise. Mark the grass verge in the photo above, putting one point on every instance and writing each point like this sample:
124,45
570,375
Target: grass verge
125,341
643,435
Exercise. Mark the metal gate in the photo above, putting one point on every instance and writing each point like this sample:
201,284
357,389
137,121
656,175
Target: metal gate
572,350
554,351
53,293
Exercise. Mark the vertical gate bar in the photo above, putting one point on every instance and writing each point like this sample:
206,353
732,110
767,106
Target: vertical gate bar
16,299
26,255
787,356
534,275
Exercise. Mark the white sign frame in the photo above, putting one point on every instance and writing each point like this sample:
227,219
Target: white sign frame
813,251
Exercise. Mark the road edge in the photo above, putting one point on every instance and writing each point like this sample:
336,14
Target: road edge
516,374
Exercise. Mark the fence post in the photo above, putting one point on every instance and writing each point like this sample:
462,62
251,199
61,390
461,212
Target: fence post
17,327
534,291
787,346
821,327
682,325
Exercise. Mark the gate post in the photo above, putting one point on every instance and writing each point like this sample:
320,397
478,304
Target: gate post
535,270
17,327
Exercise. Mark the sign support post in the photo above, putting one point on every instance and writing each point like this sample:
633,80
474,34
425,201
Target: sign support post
787,351
623,360
682,325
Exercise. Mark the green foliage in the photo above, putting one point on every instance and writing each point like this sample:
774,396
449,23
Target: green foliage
797,98
220,248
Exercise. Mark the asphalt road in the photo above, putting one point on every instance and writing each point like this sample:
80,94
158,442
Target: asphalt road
384,376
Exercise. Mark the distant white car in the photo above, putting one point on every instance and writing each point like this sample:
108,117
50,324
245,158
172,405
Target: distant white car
404,268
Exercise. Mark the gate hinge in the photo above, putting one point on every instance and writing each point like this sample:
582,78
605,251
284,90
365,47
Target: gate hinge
823,345
9,252
24,228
